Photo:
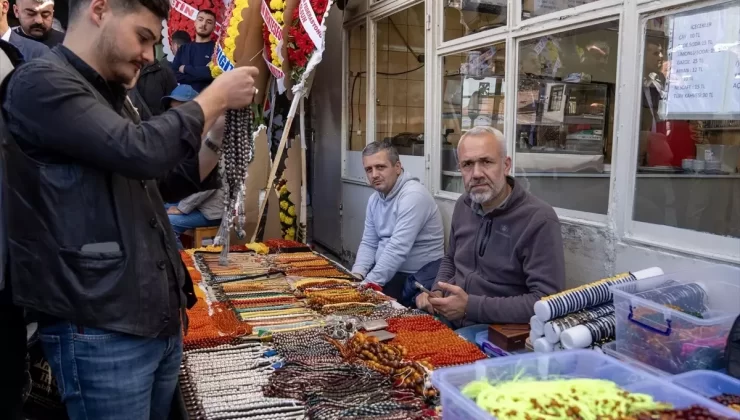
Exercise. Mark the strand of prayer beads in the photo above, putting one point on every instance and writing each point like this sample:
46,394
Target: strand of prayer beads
312,272
227,380
340,391
389,360
261,285
238,151
425,338
303,343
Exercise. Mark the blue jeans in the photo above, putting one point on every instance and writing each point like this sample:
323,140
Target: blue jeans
184,222
103,374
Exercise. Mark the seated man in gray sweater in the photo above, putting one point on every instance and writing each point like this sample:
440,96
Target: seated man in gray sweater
403,239
505,250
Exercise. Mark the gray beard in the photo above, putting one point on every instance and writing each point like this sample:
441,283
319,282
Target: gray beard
480,198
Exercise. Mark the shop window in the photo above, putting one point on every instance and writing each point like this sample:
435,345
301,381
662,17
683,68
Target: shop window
565,116
399,83
465,17
689,130
472,95
533,8
357,88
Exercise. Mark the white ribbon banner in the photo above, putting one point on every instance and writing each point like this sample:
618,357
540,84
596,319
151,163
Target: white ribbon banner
272,25
273,69
222,60
309,22
190,12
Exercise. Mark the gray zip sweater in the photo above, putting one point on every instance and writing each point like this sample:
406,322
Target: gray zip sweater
505,260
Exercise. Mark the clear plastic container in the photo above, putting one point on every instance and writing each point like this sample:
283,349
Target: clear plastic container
610,349
707,383
565,364
678,322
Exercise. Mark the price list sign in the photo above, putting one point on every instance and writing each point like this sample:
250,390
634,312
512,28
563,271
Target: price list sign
704,55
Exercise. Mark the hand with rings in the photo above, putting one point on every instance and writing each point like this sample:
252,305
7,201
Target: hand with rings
237,86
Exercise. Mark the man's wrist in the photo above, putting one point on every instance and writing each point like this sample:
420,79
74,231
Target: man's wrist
215,148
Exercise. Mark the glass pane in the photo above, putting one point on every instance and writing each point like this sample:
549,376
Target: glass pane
689,138
465,17
357,88
472,95
399,101
532,8
565,116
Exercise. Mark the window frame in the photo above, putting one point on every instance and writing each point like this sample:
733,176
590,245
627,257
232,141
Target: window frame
685,241
631,16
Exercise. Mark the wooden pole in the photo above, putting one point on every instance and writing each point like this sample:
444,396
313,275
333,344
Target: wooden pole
276,160
302,221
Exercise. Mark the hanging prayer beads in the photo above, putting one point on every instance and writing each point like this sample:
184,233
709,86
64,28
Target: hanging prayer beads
238,147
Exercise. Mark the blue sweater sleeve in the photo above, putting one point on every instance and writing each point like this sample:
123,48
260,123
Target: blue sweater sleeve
413,211
199,73
369,244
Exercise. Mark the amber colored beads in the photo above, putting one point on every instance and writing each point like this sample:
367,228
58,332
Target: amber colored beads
425,338
389,360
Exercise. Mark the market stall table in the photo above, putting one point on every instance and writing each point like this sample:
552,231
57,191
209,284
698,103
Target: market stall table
278,333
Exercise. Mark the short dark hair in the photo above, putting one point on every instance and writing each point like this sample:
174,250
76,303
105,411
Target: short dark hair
181,38
208,12
160,8
378,146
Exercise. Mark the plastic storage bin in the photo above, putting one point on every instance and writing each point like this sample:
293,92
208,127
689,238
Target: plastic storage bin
564,364
678,322
707,383
610,349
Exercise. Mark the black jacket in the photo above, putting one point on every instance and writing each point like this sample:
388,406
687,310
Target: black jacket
83,174
156,81
51,40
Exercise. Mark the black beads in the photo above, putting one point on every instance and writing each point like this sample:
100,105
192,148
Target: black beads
238,147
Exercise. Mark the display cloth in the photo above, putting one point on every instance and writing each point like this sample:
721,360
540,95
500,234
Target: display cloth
278,332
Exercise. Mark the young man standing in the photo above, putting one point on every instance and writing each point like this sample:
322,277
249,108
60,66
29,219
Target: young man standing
12,323
403,241
105,274
191,61
36,18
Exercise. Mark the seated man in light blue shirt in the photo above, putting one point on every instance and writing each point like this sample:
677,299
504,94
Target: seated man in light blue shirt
403,241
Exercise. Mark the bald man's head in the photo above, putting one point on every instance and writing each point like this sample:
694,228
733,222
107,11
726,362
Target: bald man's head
35,17
484,165
491,133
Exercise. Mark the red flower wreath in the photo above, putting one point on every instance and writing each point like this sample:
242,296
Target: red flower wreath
178,22
300,46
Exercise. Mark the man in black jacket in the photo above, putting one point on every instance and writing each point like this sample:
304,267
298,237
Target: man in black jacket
155,82
90,244
12,325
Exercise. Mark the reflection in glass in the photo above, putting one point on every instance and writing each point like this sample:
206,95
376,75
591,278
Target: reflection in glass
465,17
532,8
565,114
472,95
689,152
399,101
357,88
